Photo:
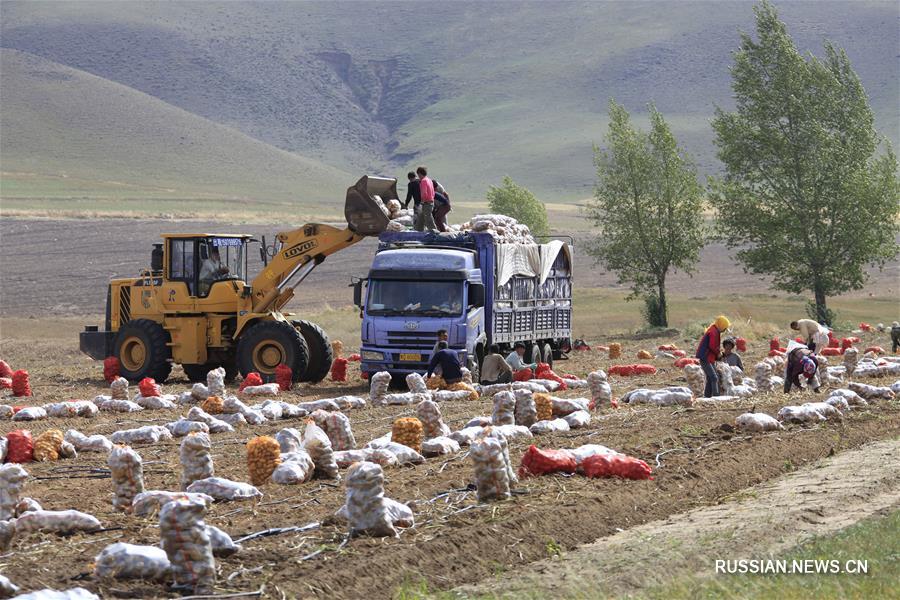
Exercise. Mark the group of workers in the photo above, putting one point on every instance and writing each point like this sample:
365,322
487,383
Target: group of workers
494,368
801,359
430,199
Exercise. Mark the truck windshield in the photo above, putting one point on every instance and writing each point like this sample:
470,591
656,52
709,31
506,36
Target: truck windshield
428,298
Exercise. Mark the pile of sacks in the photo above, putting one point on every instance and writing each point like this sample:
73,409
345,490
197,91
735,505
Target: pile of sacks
502,228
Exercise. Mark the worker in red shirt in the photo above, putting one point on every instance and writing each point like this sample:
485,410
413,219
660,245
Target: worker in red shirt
708,353
425,218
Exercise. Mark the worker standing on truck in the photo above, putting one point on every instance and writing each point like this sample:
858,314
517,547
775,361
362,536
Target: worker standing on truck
441,206
448,361
816,335
425,218
515,359
708,353
412,193
494,368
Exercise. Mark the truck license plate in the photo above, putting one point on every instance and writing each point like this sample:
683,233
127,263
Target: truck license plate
411,357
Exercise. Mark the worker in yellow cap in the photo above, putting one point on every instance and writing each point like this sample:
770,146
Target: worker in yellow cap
708,353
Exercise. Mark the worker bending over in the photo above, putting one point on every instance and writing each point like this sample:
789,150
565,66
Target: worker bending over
816,335
448,361
801,362
708,353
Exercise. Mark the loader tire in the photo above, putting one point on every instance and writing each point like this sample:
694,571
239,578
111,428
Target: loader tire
268,344
142,350
321,355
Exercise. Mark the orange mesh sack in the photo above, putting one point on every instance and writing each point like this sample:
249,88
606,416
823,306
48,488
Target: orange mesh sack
491,470
47,445
544,406
337,348
185,538
644,355
435,383
462,386
213,405
263,455
196,463
615,350
127,470
408,431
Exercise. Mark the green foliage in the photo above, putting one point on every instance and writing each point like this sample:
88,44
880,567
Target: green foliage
653,313
814,312
804,197
515,201
648,207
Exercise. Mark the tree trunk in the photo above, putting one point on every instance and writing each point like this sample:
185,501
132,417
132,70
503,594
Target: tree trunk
663,318
821,309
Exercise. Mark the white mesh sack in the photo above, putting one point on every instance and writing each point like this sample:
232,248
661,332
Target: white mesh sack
127,471
757,422
185,539
196,463
504,409
429,413
12,480
365,508
130,561
491,474
149,502
149,434
220,488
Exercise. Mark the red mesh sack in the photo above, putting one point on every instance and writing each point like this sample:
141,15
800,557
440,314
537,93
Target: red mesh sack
149,388
678,353
741,344
523,375
339,369
354,358
776,352
853,339
20,385
846,343
5,370
251,379
363,375
875,349
545,372
540,462
865,327
681,362
570,376
644,369
615,465
667,347
774,343
21,446
110,368
5,383
284,377
830,351
582,347
799,340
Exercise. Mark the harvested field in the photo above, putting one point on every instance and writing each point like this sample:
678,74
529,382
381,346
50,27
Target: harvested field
697,457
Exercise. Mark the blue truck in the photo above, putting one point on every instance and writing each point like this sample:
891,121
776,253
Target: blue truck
480,291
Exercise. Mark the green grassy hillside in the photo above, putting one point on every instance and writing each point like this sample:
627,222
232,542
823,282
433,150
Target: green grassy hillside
476,90
75,142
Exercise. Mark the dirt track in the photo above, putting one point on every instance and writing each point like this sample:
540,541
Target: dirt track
447,547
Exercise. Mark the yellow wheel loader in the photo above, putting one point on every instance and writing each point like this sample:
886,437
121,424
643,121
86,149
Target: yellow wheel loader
194,307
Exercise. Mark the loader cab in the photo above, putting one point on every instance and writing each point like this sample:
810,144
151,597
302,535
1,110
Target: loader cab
204,262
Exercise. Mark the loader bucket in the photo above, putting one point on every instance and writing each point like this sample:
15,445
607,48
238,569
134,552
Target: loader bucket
362,212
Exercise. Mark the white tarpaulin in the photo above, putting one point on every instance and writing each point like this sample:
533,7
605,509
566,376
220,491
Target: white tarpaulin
549,252
517,259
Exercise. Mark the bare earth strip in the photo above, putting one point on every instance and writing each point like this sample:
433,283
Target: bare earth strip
765,520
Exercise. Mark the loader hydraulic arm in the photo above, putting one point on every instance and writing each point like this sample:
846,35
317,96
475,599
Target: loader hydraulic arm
301,251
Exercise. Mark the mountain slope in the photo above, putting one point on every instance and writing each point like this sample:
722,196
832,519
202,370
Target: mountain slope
66,132
476,90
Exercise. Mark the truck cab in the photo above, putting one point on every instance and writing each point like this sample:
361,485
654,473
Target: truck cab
478,290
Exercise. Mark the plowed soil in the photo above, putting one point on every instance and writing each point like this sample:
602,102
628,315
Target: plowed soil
697,458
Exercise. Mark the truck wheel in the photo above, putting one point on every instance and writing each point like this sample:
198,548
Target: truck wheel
268,344
474,368
321,354
547,354
533,353
141,347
